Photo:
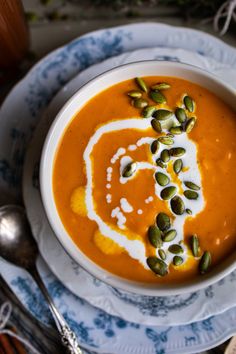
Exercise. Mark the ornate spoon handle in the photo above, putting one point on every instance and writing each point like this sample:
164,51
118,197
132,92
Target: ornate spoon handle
68,337
69,340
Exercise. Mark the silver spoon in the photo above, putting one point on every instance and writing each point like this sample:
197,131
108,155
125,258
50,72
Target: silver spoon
18,246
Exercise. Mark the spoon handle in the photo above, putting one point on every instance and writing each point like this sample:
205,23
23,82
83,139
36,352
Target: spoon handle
68,337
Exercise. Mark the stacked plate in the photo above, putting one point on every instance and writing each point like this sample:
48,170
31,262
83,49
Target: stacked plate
106,319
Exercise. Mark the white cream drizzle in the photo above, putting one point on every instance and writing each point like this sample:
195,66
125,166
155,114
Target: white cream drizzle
109,173
136,248
125,205
121,151
149,199
121,219
108,198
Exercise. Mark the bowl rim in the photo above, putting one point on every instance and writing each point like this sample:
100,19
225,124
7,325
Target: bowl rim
45,178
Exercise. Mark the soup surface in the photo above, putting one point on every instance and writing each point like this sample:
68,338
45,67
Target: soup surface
146,191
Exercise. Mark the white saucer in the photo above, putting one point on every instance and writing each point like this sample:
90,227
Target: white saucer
171,310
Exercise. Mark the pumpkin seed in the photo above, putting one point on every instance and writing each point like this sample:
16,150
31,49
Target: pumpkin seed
141,84
148,111
157,265
139,103
162,114
175,249
129,169
156,125
168,192
189,211
134,94
157,97
191,185
165,156
177,260
177,205
205,262
166,140
194,243
160,163
154,236
162,254
161,86
177,151
190,194
163,221
176,130
178,165
162,179
180,115
190,124
189,103
169,235
155,145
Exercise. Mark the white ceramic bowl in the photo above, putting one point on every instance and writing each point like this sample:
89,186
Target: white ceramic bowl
63,119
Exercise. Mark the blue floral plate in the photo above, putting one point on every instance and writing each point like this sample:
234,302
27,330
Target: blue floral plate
171,310
19,115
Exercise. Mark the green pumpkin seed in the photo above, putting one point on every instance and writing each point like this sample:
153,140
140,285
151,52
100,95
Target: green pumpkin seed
176,249
162,114
177,205
156,125
141,84
154,236
176,130
155,145
157,97
180,115
178,165
166,140
148,111
134,94
177,151
139,103
190,194
189,103
163,221
160,163
205,262
129,169
190,124
189,211
157,265
191,185
162,179
168,192
177,260
165,156
169,235
161,86
162,254
194,243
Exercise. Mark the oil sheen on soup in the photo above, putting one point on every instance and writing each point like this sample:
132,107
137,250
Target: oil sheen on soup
143,179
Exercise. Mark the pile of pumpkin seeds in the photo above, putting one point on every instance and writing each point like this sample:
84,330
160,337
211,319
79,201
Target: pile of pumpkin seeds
162,232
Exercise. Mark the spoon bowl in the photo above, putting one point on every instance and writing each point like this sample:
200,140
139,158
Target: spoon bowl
16,242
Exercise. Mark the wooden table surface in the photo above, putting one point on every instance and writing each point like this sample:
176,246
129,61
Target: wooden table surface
78,19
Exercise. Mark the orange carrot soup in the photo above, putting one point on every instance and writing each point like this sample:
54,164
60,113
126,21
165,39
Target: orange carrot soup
144,179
